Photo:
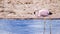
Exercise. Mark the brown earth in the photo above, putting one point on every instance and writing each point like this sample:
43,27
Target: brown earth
26,8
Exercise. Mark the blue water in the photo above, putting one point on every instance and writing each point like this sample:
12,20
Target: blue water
11,26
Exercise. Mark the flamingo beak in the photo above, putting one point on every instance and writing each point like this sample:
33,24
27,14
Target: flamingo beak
50,13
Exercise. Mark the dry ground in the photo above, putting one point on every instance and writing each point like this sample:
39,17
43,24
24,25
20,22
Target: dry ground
26,8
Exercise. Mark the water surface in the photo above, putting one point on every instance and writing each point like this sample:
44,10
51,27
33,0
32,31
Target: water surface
11,26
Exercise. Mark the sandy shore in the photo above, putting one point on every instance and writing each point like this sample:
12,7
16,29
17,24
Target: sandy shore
26,8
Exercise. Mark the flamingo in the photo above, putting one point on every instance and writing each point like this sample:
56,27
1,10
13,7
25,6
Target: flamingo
44,13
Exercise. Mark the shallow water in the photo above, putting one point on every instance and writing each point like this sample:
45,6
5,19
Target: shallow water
10,26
